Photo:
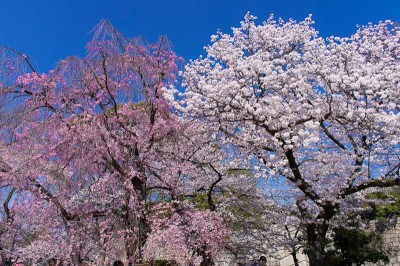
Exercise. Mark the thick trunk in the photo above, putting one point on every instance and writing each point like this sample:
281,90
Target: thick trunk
130,245
138,227
143,233
316,238
135,240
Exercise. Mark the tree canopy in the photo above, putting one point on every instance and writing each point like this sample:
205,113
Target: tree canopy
272,139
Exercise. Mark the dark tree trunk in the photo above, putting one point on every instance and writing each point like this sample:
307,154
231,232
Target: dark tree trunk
135,238
138,225
316,238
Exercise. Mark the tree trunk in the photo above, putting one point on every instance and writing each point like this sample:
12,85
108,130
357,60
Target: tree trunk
207,258
316,238
130,244
135,237
295,259
138,227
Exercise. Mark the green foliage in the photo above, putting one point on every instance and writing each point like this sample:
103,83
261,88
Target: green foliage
200,201
383,211
239,172
355,246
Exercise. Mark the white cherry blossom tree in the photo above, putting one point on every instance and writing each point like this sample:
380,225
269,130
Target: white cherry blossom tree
322,115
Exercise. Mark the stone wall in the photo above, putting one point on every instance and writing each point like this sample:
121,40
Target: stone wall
391,240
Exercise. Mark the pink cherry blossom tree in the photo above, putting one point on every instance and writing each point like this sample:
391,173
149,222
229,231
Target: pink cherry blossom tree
319,116
92,148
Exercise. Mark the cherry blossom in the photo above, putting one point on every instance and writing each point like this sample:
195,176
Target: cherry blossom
319,115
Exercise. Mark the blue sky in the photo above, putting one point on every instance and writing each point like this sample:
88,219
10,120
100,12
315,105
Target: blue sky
50,30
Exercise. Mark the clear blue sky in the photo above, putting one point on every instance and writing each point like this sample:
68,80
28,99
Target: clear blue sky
50,30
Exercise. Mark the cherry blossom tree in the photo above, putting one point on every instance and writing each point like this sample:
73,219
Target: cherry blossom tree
92,148
319,116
